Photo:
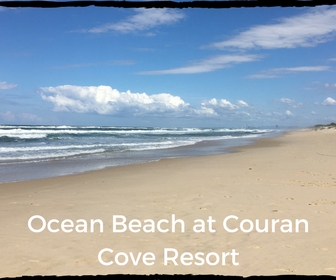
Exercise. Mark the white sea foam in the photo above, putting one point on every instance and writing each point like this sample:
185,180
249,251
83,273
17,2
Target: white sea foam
28,150
59,154
50,142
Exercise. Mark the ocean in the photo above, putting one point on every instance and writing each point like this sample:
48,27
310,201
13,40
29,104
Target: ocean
33,152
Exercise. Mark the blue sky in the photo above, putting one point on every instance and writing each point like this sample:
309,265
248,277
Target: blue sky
168,67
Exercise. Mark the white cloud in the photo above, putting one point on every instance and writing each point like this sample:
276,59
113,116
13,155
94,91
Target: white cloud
302,69
222,103
6,86
277,114
290,102
332,119
332,86
105,100
143,19
206,65
227,110
289,113
22,117
205,111
262,76
305,30
329,101
242,103
8,116
276,72
30,118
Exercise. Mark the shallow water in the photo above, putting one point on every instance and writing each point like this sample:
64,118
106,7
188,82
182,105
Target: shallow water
33,152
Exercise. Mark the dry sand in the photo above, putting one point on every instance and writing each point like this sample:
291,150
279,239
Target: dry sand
289,177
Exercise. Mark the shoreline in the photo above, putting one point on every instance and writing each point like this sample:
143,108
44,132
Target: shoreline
287,177
53,168
251,144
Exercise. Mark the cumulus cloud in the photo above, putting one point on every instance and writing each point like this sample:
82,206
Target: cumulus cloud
8,116
242,103
305,30
6,86
276,117
205,111
206,65
329,102
143,19
290,102
289,113
222,103
276,72
106,100
227,110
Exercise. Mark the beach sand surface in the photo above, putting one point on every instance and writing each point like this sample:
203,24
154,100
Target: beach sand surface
288,177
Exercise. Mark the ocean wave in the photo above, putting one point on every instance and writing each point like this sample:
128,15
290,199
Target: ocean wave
24,143
50,156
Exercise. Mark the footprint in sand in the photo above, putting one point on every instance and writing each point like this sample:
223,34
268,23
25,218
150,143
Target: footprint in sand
295,181
254,247
322,201
258,196
289,198
227,196
290,246
322,249
204,208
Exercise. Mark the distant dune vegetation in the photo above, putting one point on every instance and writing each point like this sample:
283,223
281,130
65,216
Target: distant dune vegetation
324,126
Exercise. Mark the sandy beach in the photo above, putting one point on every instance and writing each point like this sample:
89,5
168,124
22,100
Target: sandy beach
283,179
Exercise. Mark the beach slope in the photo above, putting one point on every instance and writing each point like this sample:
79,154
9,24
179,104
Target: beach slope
279,180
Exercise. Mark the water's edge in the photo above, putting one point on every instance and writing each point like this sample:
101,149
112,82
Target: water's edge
80,164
